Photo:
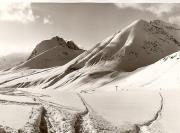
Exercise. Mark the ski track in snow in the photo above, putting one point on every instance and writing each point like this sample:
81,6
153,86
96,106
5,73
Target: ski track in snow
49,117
147,126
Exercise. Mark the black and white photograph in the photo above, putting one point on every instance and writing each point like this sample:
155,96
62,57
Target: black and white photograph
72,66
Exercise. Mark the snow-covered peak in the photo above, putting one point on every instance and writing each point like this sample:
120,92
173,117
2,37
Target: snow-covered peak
137,45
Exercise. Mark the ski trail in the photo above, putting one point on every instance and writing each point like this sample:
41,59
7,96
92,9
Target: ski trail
83,123
45,117
86,105
49,117
89,121
56,118
146,127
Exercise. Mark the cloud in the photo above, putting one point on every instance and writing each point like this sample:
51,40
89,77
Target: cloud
46,20
20,12
157,9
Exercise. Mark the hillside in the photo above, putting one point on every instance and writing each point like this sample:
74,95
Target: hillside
51,53
128,83
164,74
137,45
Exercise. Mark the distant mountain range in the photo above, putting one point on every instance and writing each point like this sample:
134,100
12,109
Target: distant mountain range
11,60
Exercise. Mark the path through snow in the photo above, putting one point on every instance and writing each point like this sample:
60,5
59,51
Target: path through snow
49,117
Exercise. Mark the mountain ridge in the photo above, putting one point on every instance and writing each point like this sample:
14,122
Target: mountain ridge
48,44
53,52
136,46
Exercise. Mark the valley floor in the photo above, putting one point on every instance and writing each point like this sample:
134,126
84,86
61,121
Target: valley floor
122,111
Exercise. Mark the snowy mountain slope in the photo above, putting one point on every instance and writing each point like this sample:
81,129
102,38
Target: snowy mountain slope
51,53
137,45
117,57
144,86
163,74
56,56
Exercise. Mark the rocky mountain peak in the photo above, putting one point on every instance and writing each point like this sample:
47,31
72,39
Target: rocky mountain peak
51,43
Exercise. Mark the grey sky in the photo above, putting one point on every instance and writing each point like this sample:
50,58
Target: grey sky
23,26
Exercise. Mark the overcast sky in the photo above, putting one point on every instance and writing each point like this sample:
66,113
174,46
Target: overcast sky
24,25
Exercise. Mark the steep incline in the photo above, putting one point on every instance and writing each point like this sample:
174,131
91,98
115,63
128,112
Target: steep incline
138,45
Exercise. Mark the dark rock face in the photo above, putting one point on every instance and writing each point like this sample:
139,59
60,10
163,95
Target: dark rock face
72,45
50,53
51,43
